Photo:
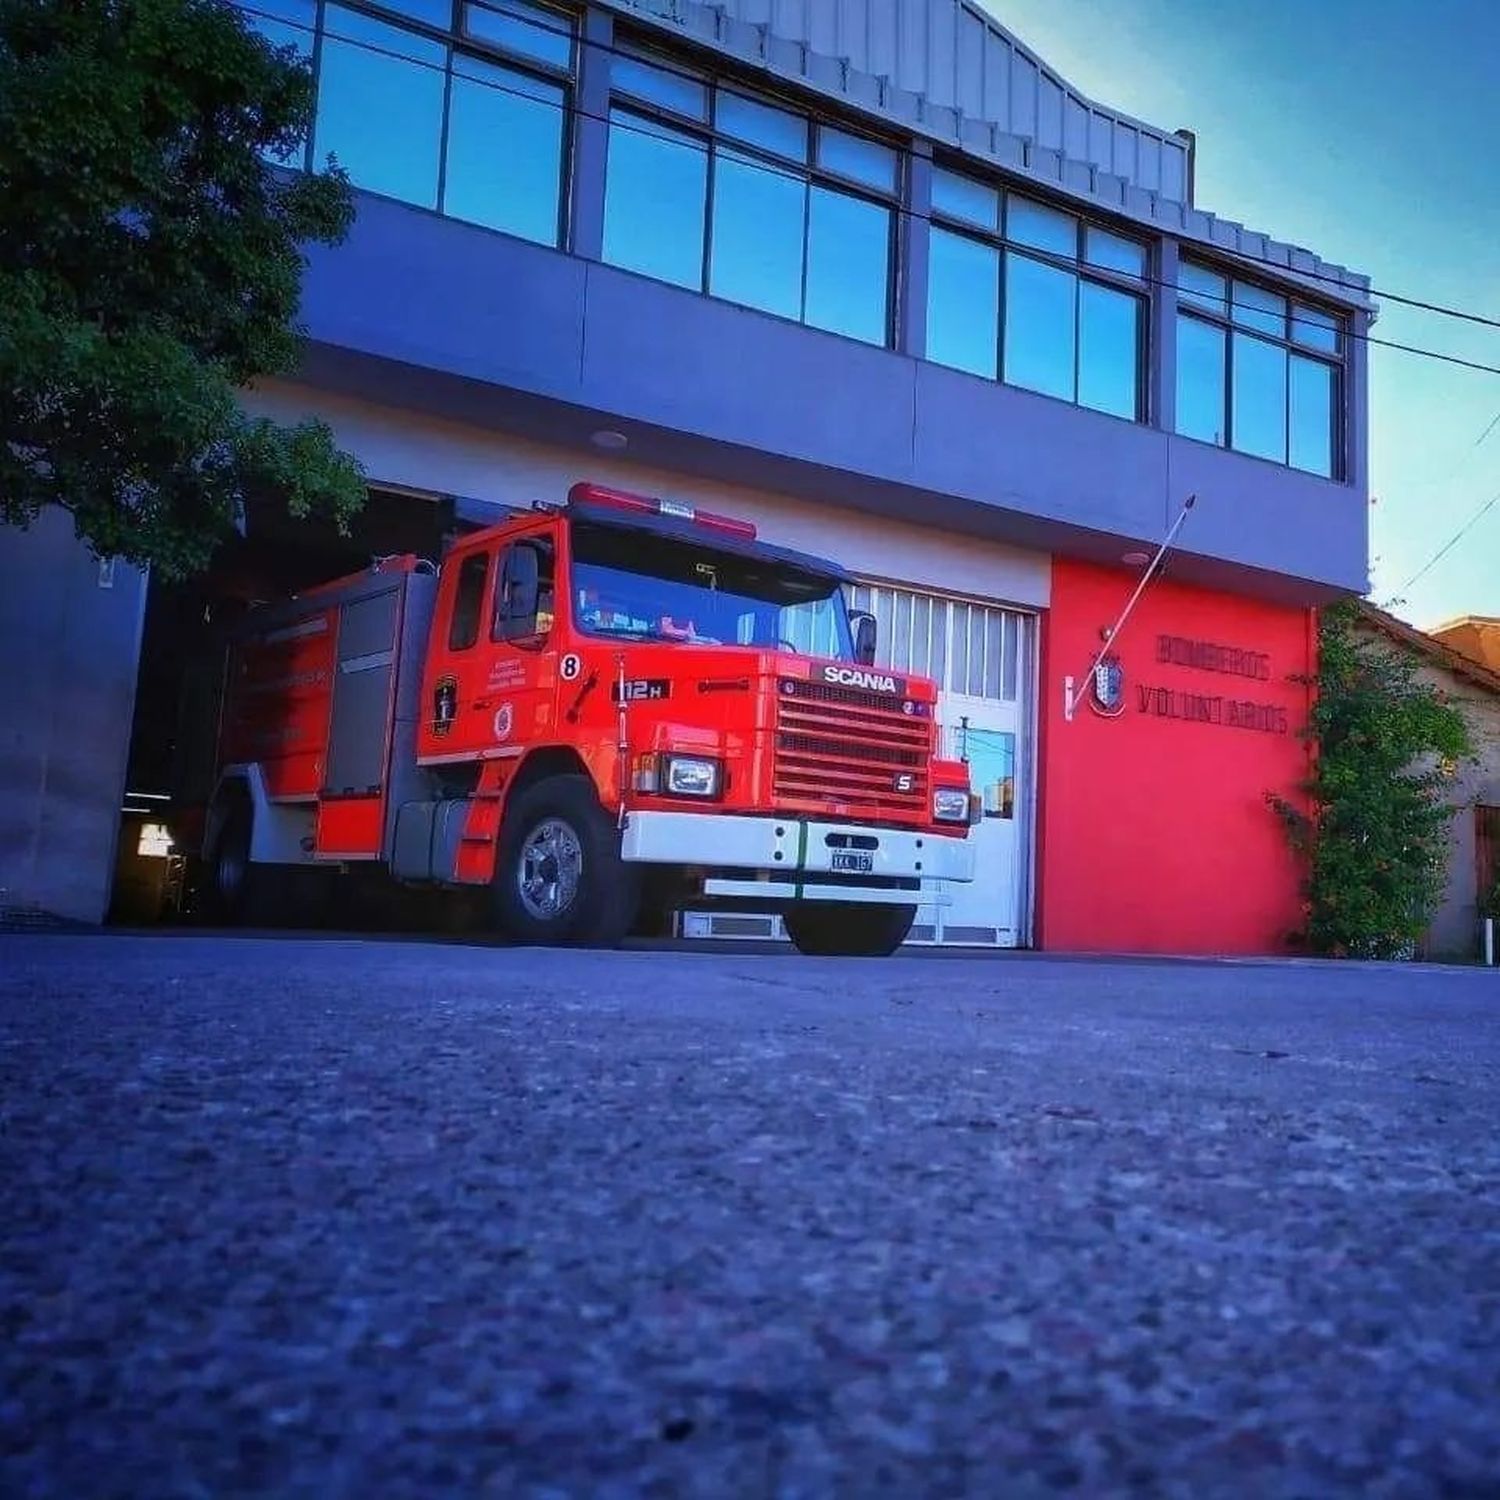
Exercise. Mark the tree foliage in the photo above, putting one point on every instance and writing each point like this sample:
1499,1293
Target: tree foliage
1376,838
150,265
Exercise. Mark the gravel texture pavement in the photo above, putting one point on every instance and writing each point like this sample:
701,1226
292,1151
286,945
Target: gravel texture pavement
373,1219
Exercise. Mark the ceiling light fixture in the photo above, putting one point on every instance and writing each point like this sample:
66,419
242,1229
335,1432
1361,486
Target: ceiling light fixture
609,440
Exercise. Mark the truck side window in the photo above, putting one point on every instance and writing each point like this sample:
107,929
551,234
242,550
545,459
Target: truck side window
525,627
468,601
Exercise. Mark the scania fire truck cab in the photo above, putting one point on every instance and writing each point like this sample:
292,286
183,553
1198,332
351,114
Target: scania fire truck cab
592,705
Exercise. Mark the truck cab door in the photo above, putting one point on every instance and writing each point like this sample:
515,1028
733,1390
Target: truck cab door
454,726
490,681
521,684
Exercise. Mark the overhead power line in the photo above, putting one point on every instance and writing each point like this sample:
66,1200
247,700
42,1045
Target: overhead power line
1451,543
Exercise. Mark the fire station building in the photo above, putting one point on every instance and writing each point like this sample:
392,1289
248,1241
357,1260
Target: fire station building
871,275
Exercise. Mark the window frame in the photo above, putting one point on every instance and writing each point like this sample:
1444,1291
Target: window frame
1336,361
1082,270
544,543
810,173
458,42
484,556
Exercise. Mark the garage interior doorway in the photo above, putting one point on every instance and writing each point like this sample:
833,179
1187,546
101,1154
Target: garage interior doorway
180,677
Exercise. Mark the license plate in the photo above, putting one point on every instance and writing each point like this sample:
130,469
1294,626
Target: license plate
853,861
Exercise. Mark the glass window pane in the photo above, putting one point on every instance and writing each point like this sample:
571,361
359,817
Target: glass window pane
1109,324
1254,307
1039,326
756,236
1258,398
505,151
859,160
760,124
391,148
434,12
921,625
1012,656
976,651
901,646
664,86
1200,380
654,191
848,265
286,23
959,653
468,601
1114,251
963,303
1028,223
1315,329
1312,391
938,668
543,35
1198,287
963,198
994,651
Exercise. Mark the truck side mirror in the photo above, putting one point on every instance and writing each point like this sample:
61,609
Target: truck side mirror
864,638
522,583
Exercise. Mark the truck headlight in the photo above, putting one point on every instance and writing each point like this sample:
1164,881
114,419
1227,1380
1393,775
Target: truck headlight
691,776
950,804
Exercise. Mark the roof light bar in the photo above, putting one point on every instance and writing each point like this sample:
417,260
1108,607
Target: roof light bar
598,494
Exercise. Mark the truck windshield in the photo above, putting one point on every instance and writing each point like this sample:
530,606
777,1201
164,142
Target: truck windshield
644,587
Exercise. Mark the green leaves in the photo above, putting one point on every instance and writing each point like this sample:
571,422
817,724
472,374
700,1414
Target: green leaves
150,267
1376,838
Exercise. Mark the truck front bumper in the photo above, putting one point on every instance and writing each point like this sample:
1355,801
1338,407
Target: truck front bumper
783,851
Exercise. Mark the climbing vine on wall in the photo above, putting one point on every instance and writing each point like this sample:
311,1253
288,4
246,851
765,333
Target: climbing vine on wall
1374,834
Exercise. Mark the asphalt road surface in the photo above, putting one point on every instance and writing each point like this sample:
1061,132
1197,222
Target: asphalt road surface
377,1219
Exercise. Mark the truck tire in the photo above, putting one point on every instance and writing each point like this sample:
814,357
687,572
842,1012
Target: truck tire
848,929
238,890
559,878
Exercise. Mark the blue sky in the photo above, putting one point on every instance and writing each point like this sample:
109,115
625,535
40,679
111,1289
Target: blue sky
1369,131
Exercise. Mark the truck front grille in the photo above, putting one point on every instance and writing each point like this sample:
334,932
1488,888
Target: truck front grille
841,752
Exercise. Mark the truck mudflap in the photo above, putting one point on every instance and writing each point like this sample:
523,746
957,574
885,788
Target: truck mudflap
789,849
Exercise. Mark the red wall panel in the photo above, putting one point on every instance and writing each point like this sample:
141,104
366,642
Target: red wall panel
1154,833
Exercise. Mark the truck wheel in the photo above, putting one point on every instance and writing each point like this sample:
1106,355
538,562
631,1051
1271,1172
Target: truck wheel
559,878
848,928
235,889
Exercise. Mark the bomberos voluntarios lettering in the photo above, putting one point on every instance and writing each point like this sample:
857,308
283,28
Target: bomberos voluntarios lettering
1207,708
1209,656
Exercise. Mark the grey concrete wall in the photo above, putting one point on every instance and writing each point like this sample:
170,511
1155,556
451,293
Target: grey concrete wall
69,650
417,298
1455,926
1454,930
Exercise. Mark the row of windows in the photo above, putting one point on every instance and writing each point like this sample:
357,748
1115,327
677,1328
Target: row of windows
444,125
1059,310
712,188
1257,372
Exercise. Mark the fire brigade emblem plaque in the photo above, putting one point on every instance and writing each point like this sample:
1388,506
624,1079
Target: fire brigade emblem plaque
1108,688
505,718
444,704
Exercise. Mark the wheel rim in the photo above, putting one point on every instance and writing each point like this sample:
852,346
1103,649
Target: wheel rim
551,867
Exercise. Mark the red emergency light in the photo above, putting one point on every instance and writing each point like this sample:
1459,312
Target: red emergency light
598,494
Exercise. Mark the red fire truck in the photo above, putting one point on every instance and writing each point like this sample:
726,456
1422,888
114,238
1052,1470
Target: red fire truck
587,704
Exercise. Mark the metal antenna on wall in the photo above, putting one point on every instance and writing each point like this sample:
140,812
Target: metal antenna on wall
1071,698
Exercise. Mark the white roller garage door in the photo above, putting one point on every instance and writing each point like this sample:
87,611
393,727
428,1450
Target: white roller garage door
982,656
